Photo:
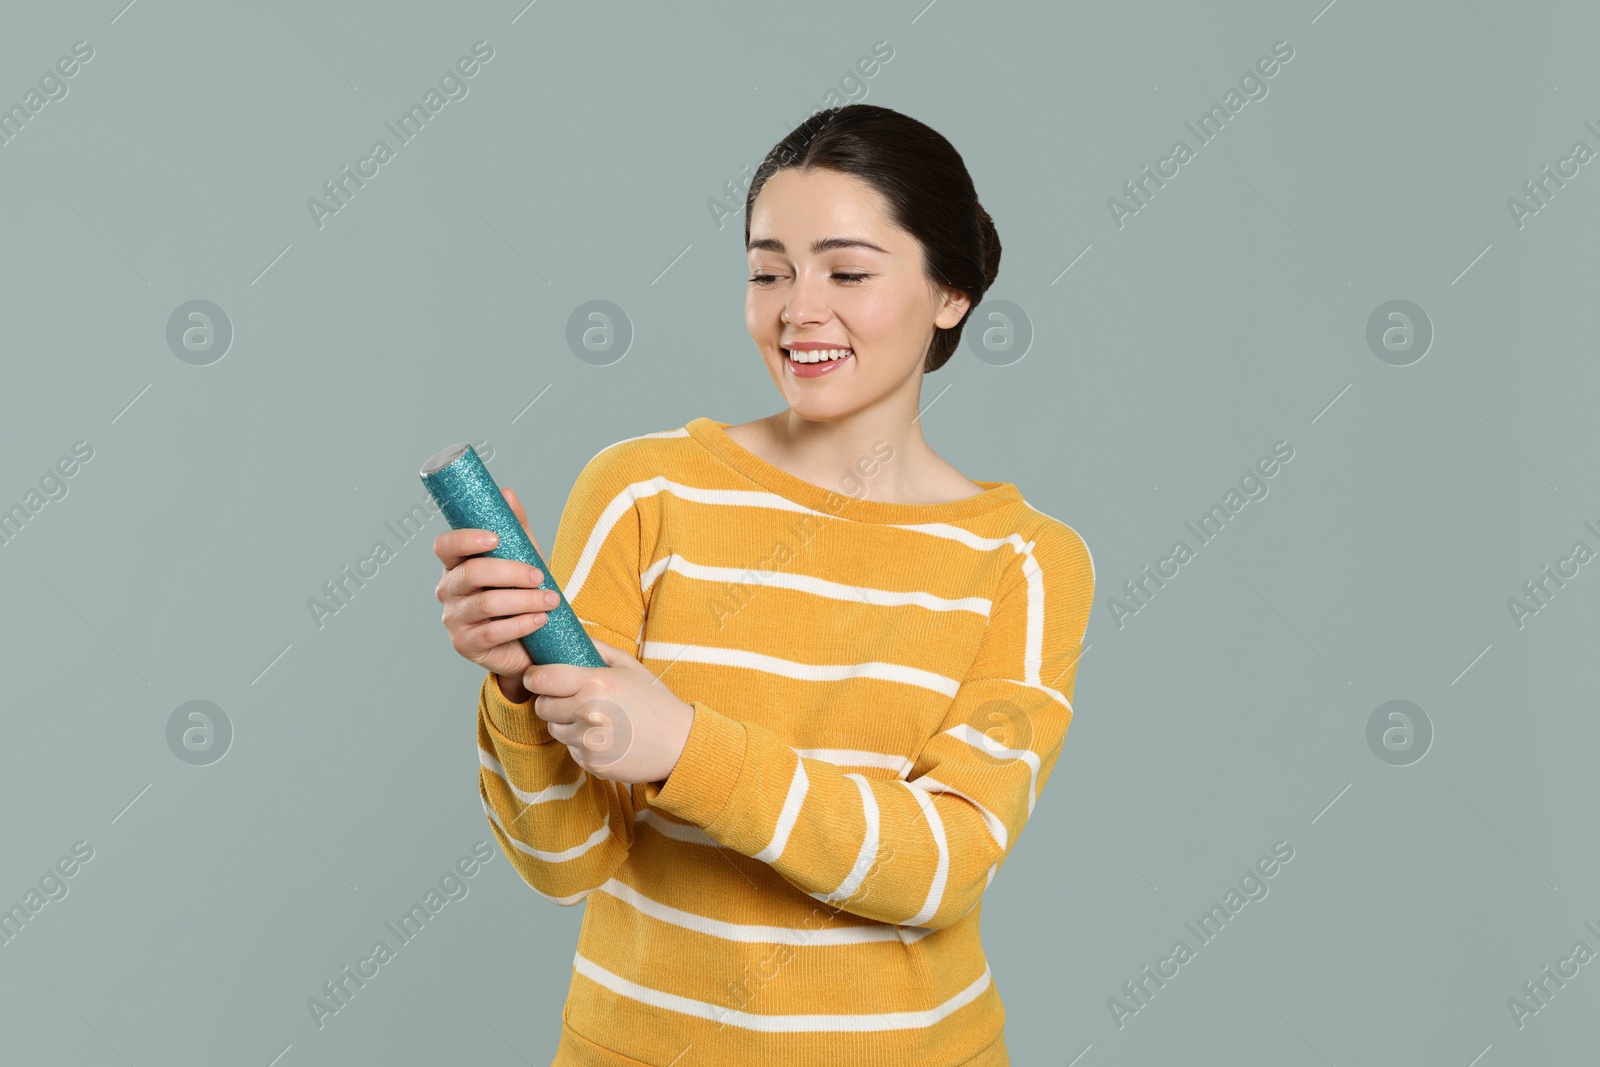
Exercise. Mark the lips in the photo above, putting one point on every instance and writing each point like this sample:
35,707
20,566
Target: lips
820,365
819,353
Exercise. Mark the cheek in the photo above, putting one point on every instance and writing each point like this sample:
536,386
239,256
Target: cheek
884,313
762,307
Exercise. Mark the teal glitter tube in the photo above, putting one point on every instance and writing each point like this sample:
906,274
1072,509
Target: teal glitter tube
464,490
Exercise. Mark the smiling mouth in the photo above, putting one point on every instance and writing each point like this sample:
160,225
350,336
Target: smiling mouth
819,355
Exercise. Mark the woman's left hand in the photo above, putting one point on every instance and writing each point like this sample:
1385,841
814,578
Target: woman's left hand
620,722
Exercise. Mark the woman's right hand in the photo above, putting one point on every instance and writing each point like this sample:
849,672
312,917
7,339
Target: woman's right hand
491,603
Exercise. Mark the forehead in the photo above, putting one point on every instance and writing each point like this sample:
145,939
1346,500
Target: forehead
799,207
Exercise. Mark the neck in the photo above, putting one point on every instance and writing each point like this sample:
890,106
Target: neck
861,455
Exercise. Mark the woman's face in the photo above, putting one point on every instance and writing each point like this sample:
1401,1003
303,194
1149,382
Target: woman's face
868,293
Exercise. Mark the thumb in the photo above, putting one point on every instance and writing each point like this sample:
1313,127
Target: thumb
614,657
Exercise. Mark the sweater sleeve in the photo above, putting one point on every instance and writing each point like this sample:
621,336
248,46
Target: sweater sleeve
952,821
564,830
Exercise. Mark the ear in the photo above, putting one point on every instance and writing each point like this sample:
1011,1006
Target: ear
955,305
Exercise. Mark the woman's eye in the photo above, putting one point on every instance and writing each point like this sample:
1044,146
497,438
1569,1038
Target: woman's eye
766,279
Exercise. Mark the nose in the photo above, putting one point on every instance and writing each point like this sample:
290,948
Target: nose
807,305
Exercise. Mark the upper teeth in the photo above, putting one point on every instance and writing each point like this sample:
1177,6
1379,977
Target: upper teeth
817,355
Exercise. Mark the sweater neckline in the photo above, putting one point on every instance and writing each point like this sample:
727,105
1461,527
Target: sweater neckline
713,435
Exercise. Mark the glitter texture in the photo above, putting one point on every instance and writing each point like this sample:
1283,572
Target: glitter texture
469,498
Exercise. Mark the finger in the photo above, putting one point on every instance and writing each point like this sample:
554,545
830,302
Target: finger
454,546
504,602
567,735
614,657
487,636
562,713
486,572
553,679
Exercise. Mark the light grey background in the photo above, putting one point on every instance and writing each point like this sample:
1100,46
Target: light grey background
1229,313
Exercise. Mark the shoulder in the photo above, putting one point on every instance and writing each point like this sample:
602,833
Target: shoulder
1055,556
637,449
632,459
1055,539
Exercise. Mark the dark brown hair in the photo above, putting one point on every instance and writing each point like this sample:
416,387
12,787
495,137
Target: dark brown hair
925,184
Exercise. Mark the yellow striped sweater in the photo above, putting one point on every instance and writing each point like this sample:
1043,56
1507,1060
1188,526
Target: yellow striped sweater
880,692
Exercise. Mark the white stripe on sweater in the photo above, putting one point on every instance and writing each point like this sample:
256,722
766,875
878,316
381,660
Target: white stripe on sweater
780,1024
1075,533
856,757
810,584
620,504
559,791
755,933
997,829
549,857
868,855
678,831
981,741
668,826
941,873
625,499
799,785
563,901
810,672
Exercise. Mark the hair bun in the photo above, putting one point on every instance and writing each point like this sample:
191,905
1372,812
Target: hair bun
991,246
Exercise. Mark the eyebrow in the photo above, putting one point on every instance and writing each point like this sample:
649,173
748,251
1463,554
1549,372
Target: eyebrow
819,246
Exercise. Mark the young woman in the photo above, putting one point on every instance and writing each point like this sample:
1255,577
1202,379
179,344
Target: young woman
826,714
